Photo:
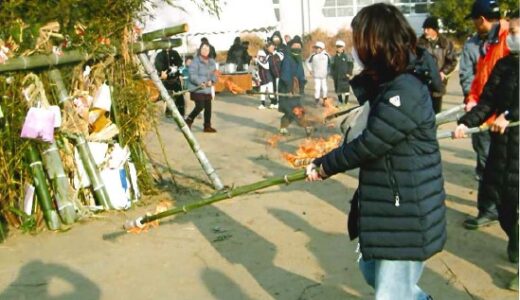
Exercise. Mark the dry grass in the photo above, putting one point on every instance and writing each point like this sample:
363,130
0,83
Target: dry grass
330,40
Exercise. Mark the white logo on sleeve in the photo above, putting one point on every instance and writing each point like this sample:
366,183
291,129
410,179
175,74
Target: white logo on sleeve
395,100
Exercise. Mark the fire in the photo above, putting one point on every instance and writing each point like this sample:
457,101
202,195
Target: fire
233,87
310,149
162,206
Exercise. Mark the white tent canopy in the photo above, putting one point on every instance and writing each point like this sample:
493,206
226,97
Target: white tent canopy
236,16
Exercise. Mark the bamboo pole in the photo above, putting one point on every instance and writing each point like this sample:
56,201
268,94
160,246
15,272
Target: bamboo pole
63,192
42,189
449,115
165,32
220,196
98,187
74,56
472,130
195,147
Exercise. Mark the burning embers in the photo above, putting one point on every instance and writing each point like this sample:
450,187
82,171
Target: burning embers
308,150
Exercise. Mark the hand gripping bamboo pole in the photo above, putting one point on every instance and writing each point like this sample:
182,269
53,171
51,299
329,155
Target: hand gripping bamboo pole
195,147
219,196
472,130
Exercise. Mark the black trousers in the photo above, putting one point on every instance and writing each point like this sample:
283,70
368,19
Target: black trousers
201,105
437,104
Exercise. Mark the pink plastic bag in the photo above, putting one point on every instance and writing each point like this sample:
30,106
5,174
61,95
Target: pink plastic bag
39,124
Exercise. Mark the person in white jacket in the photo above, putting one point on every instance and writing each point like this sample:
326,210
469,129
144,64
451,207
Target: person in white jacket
318,65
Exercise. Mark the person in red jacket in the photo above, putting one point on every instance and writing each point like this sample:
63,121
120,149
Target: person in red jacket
486,18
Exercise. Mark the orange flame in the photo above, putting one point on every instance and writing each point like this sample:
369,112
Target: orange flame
310,149
162,206
233,87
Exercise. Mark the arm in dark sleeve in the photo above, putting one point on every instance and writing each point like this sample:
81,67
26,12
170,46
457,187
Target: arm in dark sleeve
435,77
160,63
487,104
176,57
450,61
387,126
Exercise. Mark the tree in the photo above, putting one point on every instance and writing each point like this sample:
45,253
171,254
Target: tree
453,13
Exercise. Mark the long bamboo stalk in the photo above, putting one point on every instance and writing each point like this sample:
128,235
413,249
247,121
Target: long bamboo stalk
449,115
64,195
42,189
165,32
74,56
472,130
98,187
220,196
195,147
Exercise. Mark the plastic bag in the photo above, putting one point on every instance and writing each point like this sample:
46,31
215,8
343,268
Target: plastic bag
39,124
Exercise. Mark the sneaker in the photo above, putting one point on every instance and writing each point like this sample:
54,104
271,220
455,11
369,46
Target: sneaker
261,106
480,221
284,131
273,106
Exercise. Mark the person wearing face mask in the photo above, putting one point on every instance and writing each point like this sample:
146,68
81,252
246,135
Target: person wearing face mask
442,50
292,81
486,18
398,209
500,97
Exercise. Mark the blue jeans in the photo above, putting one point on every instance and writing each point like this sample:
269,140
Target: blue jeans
394,279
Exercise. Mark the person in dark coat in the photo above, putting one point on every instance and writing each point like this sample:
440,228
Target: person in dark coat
202,74
168,63
292,80
398,209
212,52
500,97
275,59
442,50
236,54
276,38
341,71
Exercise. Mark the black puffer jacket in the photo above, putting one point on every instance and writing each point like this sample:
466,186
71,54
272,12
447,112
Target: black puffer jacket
500,94
401,193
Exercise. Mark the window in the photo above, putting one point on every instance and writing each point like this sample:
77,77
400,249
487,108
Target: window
338,8
413,7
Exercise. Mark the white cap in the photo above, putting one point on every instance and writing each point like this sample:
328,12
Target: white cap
319,45
340,43
261,53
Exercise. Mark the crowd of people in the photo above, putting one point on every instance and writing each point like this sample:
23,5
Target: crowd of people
398,210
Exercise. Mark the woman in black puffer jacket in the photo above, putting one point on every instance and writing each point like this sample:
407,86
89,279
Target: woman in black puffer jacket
500,181
401,221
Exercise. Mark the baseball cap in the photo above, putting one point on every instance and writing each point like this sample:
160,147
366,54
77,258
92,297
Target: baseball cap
319,45
340,43
484,8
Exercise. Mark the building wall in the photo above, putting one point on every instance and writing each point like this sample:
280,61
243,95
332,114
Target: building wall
332,15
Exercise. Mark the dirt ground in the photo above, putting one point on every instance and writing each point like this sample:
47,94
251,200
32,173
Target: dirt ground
284,242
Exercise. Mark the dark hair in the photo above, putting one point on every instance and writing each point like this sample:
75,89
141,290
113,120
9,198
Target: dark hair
188,57
383,40
204,40
431,22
